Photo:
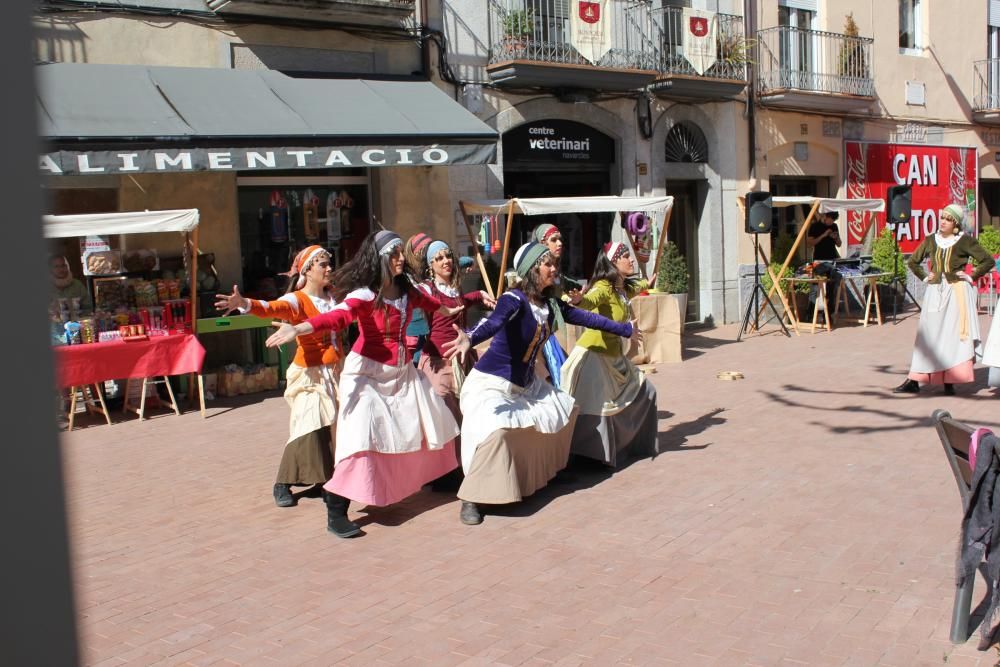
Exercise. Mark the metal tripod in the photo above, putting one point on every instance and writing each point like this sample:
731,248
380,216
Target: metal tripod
896,281
752,302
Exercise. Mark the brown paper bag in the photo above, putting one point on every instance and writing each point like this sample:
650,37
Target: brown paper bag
661,324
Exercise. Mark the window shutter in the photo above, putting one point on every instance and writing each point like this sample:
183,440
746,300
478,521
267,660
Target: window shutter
994,13
808,5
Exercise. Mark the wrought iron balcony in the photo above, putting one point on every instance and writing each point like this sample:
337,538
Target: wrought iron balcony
814,69
986,91
530,45
726,77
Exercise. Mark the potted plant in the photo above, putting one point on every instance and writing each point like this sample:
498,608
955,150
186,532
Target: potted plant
517,25
989,238
852,52
672,276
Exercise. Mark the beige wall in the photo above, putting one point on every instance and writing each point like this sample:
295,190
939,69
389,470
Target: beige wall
127,40
416,199
214,195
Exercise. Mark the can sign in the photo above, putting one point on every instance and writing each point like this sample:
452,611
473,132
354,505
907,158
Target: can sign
939,175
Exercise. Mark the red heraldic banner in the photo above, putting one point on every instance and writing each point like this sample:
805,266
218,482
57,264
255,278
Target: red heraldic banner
939,175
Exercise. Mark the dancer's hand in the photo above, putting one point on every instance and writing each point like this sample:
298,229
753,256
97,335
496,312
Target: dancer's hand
489,301
636,333
286,333
962,275
931,276
448,312
575,296
231,302
460,346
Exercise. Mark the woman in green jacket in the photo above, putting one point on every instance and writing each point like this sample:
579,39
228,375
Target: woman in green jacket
948,338
617,403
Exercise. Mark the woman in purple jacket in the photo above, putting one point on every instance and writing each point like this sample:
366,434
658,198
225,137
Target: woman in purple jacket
516,429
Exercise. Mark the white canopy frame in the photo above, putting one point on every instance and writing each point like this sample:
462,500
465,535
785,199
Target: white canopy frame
184,221
658,208
820,204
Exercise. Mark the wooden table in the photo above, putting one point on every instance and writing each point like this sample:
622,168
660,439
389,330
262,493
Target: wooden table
820,282
849,282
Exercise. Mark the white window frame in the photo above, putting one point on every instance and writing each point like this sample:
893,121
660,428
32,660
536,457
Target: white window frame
794,8
917,10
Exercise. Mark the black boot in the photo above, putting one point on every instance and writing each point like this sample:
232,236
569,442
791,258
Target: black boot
336,516
908,387
949,389
283,496
469,514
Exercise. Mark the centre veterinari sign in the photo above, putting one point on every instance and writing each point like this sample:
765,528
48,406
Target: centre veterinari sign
938,175
557,140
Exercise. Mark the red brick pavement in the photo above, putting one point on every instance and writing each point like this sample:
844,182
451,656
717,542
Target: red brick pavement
801,516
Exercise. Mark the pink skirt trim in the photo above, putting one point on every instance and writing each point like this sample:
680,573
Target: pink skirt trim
955,375
378,479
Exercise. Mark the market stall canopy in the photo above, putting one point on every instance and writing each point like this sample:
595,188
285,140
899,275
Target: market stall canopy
119,119
138,222
826,204
549,205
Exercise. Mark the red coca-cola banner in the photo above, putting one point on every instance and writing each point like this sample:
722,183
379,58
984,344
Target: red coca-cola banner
939,175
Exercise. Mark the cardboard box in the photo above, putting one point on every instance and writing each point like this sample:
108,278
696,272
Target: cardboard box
661,323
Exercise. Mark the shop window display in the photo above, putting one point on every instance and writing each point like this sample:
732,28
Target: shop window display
278,221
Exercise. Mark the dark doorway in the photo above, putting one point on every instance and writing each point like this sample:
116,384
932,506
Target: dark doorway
683,232
583,234
788,220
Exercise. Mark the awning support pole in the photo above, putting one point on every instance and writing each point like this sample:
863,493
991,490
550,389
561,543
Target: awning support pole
506,247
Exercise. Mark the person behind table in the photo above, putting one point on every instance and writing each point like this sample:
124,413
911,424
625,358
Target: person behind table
415,253
824,239
617,403
311,378
65,286
948,337
394,434
447,376
516,428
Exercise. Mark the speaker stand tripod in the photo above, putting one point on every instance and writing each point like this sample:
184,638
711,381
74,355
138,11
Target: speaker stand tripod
895,283
757,287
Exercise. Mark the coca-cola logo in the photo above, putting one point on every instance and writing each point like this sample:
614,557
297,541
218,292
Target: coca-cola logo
857,188
956,177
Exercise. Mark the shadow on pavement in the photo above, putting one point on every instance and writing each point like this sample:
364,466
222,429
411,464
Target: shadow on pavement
401,512
695,344
674,438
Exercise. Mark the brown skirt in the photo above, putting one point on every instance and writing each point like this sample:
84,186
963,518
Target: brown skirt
308,459
513,463
612,439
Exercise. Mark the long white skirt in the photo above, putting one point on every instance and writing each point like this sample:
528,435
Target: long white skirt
948,331
991,351
490,403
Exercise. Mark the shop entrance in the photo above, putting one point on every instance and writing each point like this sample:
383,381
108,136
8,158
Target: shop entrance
989,196
561,158
689,199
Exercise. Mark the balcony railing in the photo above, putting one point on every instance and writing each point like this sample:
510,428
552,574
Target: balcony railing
733,51
810,60
539,30
986,94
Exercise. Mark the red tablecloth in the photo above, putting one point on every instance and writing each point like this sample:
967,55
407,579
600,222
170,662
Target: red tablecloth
95,362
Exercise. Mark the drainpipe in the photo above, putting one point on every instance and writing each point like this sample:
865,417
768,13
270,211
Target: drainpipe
750,32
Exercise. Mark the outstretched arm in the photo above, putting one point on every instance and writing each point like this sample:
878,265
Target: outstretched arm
590,320
507,306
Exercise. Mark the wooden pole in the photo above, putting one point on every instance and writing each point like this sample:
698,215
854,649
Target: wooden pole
475,247
795,246
506,247
193,383
663,236
781,293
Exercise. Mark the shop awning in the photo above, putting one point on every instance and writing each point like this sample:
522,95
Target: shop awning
547,205
119,119
826,204
137,222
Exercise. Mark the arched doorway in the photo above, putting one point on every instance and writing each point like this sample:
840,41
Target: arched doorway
561,158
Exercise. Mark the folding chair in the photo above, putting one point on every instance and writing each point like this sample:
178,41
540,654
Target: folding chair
955,437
